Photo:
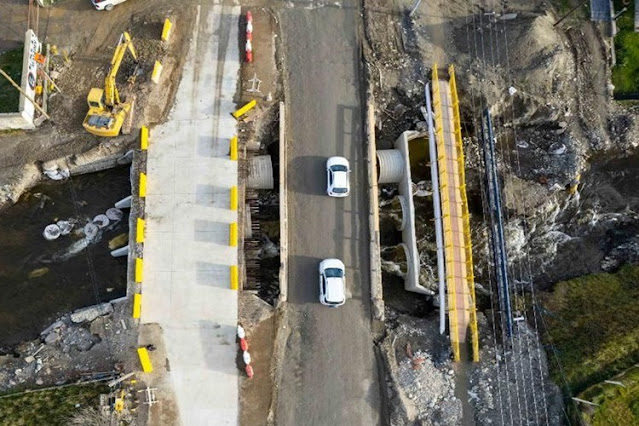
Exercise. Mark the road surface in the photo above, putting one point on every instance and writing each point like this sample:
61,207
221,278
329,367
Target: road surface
186,280
329,371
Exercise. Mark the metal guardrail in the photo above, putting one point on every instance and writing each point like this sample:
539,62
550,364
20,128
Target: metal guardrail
445,201
470,275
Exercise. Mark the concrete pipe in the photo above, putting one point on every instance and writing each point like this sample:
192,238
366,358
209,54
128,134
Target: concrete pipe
391,165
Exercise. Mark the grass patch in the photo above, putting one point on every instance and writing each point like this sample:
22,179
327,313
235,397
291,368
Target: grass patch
11,63
625,74
52,407
593,325
617,405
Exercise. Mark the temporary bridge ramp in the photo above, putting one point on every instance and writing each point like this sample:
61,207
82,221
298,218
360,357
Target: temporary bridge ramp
460,285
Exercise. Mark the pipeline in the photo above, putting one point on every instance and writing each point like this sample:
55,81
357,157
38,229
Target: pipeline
434,173
493,190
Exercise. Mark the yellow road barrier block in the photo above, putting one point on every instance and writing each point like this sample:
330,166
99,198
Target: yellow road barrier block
138,270
137,305
145,360
166,29
234,277
144,138
139,231
157,71
142,188
246,108
233,153
234,198
233,234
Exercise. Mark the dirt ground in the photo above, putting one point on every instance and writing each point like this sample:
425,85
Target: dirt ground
89,47
551,133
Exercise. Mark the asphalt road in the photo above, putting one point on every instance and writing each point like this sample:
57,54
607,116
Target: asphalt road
329,370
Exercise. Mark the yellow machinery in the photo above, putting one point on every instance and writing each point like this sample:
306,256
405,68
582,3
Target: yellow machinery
107,113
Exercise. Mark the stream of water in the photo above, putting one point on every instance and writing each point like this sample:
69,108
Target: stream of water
41,280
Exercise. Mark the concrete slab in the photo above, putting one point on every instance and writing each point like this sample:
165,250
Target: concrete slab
187,256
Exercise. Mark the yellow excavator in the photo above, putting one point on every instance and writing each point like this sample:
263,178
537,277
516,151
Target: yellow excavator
107,112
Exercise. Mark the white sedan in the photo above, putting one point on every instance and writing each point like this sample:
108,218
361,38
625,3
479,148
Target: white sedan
332,282
337,179
106,4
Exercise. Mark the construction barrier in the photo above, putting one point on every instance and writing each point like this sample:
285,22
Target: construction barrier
138,270
142,189
249,25
145,360
166,30
144,138
139,231
137,305
233,148
248,49
234,277
246,108
246,356
233,234
157,71
234,198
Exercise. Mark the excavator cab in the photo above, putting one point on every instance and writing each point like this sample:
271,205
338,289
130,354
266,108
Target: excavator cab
95,99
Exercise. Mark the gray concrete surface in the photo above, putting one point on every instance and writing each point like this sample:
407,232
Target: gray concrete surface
329,374
186,283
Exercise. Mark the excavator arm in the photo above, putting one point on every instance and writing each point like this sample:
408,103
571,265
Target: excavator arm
111,96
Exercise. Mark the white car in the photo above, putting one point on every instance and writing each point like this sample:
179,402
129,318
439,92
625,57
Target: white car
337,179
332,283
106,4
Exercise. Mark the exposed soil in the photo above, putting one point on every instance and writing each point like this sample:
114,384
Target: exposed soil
549,132
89,48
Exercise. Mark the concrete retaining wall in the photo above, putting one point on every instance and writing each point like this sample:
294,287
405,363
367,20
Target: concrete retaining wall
377,296
411,282
283,210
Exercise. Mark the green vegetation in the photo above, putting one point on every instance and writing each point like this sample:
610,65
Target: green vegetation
592,324
625,75
11,63
617,405
51,407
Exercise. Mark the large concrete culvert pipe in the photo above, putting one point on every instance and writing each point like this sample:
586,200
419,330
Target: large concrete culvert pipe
391,166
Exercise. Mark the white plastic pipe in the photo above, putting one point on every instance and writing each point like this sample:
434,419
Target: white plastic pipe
434,172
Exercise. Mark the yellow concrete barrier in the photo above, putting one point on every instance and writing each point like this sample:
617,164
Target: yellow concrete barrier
166,29
144,138
246,108
137,305
234,198
157,71
139,231
142,189
234,277
233,153
145,360
233,234
138,270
